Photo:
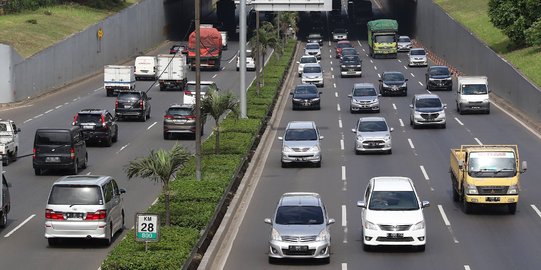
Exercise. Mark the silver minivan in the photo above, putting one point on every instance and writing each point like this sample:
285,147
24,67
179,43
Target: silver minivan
313,73
301,143
84,206
300,228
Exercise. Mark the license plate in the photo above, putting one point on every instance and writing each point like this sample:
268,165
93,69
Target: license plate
88,127
179,121
127,106
493,199
351,70
52,159
298,248
74,215
395,235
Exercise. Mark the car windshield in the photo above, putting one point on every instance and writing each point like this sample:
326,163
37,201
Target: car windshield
364,92
129,96
385,39
428,103
393,77
305,60
248,53
75,195
53,138
299,215
404,39
351,59
308,134
439,71
417,52
314,36
492,164
339,31
474,89
309,89
179,111
4,130
311,69
344,45
312,47
89,118
393,200
372,126
347,51
204,87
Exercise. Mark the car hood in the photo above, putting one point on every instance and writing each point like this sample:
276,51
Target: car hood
431,109
364,98
300,144
382,217
299,230
305,96
374,135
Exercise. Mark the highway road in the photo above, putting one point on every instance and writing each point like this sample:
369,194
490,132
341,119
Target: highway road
488,239
22,244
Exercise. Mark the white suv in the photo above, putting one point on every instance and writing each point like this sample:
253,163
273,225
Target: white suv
392,214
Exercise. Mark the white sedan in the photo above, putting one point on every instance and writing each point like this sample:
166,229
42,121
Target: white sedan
250,62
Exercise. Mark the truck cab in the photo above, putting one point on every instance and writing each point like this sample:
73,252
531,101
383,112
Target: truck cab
472,94
383,38
9,141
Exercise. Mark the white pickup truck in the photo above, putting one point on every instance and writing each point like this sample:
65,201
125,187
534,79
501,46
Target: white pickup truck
9,141
117,78
472,94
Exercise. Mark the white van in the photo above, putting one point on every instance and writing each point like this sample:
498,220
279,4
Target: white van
145,67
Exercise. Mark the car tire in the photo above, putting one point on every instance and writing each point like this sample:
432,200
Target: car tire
466,206
326,260
109,239
421,248
318,107
415,126
5,161
318,164
367,248
52,242
273,260
456,196
115,138
165,136
75,169
38,171
390,151
238,69
405,93
109,141
109,92
85,162
443,126
3,218
123,224
285,164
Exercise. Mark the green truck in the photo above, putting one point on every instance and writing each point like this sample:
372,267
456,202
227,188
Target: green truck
382,38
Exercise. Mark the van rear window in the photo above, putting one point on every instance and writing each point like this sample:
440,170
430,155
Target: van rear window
53,138
75,195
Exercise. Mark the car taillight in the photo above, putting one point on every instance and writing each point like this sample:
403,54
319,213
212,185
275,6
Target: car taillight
34,153
141,104
188,92
103,124
72,153
189,116
116,103
75,118
50,214
168,116
100,214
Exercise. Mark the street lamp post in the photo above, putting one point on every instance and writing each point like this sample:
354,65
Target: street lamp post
198,119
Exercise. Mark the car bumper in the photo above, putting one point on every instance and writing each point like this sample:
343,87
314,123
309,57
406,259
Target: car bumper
317,82
301,157
338,38
315,250
418,63
123,113
394,91
373,146
76,229
96,135
364,107
492,199
404,49
427,122
178,129
351,72
145,76
53,165
474,106
383,238
306,104
440,84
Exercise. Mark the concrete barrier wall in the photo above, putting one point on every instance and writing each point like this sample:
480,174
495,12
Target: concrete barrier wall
8,58
447,38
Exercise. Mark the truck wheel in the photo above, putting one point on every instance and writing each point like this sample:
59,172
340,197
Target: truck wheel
14,155
512,208
109,92
5,160
456,196
466,206
3,219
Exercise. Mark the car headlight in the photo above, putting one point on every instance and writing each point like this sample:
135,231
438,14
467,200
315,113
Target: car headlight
370,226
356,101
431,79
418,226
287,149
314,148
323,235
315,99
387,138
385,85
275,235
404,85
449,79
471,189
513,189
485,101
360,138
358,66
441,114
297,99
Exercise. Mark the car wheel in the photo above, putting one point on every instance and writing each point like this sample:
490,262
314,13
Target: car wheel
3,219
442,126
367,248
123,222
318,164
109,92
85,161
421,248
109,238
326,260
108,141
390,151
512,207
115,138
273,260
37,171
143,117
285,164
5,161
318,107
165,136
415,126
405,93
456,196
14,155
237,69
75,169
52,242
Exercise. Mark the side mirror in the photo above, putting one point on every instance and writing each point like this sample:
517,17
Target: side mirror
18,130
331,221
280,138
392,129
444,106
524,166
268,221
320,92
321,137
350,96
291,93
460,164
380,80
122,191
149,98
411,106
361,204
425,204
298,62
406,80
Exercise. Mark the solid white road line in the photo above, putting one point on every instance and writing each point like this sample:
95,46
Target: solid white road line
467,267
340,123
478,141
344,266
20,225
343,173
344,216
122,148
58,107
444,216
536,210
48,111
341,144
411,144
459,122
424,172
394,106
38,116
26,121
338,107
401,123
155,201
421,83
412,75
151,125
518,120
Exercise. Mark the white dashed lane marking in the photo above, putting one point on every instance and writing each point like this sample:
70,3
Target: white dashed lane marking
338,107
336,94
411,144
478,141
394,106
421,83
424,172
151,125
340,123
343,173
341,144
344,266
122,148
443,215
405,67
401,123
459,122
412,75
344,216
536,210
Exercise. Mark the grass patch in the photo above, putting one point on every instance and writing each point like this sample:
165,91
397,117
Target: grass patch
473,14
32,31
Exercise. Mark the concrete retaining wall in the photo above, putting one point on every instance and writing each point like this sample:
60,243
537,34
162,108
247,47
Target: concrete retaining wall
439,33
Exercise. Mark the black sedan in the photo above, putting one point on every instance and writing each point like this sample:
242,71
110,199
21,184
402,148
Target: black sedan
439,77
393,83
306,96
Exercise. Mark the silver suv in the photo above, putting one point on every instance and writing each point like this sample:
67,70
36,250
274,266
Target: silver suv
300,228
372,135
313,73
301,143
364,97
86,206
313,49
427,109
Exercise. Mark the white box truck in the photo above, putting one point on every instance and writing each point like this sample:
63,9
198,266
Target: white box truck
472,94
117,78
172,71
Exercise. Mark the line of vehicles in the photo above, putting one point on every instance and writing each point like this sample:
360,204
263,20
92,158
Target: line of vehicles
391,210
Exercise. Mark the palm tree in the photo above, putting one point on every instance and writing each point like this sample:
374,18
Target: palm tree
160,166
267,39
217,104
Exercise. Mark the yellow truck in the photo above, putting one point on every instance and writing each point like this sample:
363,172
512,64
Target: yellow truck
486,174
